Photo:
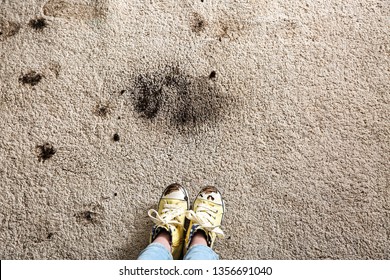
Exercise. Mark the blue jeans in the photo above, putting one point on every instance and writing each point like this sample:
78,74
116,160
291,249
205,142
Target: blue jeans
157,251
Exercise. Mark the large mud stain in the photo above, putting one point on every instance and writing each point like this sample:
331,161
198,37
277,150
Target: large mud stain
180,100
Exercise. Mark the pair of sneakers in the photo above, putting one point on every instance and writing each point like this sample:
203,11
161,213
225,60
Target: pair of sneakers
174,208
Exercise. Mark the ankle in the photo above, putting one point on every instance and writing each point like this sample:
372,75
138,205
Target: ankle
164,238
199,238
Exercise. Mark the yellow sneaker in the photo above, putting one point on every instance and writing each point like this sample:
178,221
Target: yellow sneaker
170,216
206,216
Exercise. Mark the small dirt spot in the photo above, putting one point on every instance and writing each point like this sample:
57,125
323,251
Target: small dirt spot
116,137
32,78
123,91
212,75
115,194
92,215
230,28
86,217
103,110
8,29
50,235
55,68
197,22
45,151
38,23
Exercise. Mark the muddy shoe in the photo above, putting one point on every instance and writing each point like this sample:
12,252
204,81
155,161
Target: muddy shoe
206,216
170,217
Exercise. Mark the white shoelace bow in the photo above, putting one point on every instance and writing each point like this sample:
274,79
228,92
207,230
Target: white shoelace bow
168,216
204,216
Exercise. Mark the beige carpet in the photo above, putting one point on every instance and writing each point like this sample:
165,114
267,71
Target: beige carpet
283,105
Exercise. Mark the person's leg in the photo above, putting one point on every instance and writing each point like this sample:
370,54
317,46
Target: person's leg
159,249
168,232
199,250
204,228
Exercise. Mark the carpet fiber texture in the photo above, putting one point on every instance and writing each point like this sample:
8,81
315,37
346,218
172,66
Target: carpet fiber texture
282,105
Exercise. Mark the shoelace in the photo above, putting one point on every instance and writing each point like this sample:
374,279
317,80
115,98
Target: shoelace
168,216
204,216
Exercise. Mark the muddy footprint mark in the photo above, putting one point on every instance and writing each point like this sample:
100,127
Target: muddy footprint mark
73,10
8,29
